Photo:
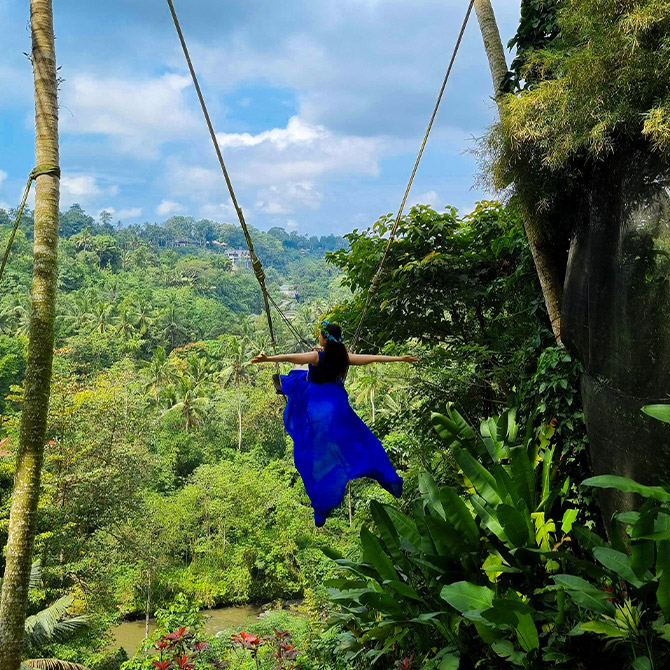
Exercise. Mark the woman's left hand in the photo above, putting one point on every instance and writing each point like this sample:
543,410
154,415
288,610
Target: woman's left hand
410,359
261,358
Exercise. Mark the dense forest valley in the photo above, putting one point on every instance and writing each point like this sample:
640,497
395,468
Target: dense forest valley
169,485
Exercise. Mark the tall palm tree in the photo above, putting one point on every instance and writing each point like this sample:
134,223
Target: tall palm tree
143,316
198,369
238,369
158,372
191,403
171,323
367,383
125,324
27,477
103,317
547,270
78,312
84,240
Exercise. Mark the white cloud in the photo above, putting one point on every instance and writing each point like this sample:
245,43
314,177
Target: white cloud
429,198
139,114
85,189
285,198
222,212
296,132
299,152
79,186
291,225
3,176
168,208
121,214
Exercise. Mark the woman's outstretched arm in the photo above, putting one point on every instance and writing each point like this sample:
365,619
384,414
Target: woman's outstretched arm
298,359
366,359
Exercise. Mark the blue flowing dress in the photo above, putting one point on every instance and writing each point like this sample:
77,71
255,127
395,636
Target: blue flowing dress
331,444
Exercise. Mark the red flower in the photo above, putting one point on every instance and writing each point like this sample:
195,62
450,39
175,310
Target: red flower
161,665
162,644
199,646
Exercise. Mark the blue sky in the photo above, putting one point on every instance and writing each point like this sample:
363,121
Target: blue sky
319,105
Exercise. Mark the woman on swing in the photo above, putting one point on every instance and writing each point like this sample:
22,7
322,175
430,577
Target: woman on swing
331,444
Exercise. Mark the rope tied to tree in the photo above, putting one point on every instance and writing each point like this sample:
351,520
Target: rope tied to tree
374,285
36,172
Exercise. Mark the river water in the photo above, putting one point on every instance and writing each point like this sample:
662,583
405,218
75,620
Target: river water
130,634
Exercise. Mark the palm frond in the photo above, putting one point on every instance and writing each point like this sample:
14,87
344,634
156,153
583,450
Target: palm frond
49,625
36,575
50,664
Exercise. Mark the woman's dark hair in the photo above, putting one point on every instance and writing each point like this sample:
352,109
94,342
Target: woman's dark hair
334,363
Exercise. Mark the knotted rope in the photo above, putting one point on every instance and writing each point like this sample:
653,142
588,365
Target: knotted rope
39,170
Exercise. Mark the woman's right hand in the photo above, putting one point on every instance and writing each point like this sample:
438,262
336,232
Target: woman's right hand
261,358
409,359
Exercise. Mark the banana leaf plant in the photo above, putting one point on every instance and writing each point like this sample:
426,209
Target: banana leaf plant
461,576
632,612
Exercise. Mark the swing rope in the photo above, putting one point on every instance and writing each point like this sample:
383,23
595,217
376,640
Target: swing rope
39,170
255,261
378,274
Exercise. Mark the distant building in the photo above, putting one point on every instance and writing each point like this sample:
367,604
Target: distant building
288,291
185,243
240,258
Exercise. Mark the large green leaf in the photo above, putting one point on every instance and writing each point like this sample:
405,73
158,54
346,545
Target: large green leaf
458,514
388,531
618,563
663,571
405,527
494,444
404,590
514,524
374,554
584,594
523,475
447,540
465,596
599,627
587,538
430,493
627,486
660,412
488,519
526,632
547,459
479,476
505,649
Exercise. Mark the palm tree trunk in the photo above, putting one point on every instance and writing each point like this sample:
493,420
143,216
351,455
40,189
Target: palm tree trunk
545,264
372,404
239,420
30,455
147,611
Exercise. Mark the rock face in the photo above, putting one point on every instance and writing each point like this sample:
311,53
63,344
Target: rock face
616,316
